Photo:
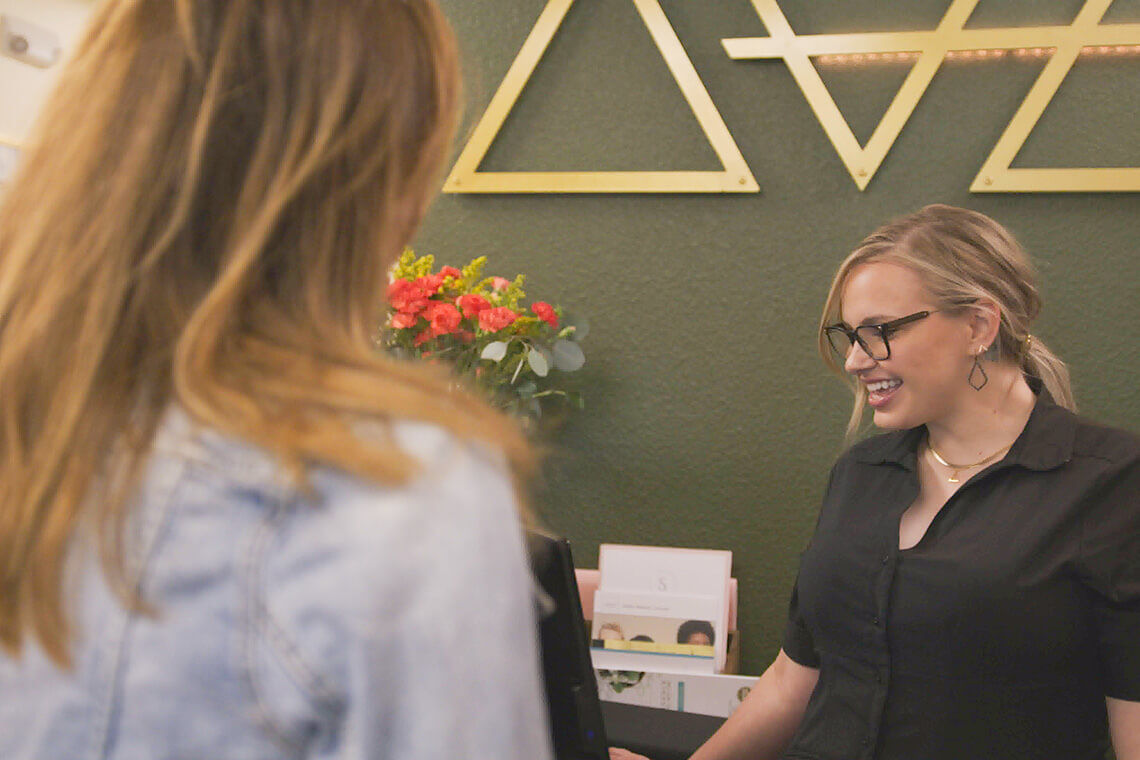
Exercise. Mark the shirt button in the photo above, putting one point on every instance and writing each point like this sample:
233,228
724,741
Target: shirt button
875,620
886,559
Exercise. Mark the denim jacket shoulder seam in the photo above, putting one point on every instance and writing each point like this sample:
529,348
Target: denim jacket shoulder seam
325,697
149,542
251,580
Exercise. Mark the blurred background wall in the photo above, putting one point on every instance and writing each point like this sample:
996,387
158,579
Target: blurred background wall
23,87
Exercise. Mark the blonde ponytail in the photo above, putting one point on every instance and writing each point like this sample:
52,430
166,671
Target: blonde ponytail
1038,361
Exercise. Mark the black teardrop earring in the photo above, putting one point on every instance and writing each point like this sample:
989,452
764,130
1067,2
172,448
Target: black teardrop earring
978,368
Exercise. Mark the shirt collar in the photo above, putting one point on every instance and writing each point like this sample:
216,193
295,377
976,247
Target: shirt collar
1046,441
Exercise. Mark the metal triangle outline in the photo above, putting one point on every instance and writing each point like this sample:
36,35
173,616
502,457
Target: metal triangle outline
862,162
997,174
736,177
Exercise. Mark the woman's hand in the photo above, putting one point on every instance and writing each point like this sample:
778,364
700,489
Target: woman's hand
1124,720
763,724
625,754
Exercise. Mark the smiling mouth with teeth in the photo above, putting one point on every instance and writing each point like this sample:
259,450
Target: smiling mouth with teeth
883,385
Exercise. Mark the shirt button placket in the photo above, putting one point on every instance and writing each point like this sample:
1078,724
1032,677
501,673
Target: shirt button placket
878,621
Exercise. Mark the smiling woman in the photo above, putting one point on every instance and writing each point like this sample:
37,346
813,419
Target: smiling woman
991,537
954,262
973,585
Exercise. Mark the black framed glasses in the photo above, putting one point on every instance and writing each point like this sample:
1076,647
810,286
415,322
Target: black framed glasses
873,339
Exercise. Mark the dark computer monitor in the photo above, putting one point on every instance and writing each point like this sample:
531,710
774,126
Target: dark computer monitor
571,689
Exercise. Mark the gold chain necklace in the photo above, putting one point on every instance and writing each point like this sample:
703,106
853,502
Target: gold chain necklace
956,468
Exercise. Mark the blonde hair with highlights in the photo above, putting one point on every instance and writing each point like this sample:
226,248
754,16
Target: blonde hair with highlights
206,215
961,256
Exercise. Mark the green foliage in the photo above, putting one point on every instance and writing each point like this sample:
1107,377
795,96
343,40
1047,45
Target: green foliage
517,355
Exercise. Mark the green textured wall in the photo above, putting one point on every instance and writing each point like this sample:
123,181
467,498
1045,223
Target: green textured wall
710,420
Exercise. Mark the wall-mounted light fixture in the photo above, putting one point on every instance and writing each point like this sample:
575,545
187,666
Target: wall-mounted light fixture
27,42
975,55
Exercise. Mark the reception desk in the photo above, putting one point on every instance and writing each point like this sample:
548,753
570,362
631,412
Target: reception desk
657,734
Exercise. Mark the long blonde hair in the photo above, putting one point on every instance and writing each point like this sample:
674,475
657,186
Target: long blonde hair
961,256
206,214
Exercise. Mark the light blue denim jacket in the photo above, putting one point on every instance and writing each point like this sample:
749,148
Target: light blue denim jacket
357,621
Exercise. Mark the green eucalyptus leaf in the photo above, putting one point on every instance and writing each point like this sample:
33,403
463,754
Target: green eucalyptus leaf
494,351
568,356
538,362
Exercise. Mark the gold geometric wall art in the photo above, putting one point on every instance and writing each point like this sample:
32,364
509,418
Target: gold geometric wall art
932,47
735,177
997,174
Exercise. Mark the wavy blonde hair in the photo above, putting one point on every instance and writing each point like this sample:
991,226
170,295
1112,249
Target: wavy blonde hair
206,214
961,256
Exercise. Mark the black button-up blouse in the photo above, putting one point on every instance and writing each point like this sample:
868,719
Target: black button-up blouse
996,637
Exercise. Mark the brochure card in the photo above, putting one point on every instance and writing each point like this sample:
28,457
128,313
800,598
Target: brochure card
717,695
661,609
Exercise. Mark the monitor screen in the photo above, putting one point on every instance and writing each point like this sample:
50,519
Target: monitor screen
571,689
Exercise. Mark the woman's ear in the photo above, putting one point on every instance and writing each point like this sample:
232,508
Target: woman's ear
985,322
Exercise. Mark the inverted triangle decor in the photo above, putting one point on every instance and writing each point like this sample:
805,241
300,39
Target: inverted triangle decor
997,175
932,48
735,177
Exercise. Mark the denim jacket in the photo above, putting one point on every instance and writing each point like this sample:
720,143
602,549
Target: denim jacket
351,620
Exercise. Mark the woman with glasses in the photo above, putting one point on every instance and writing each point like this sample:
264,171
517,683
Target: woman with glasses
972,589
229,528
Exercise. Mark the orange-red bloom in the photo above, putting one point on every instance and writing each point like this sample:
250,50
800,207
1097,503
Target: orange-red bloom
400,320
407,296
493,320
545,312
430,283
471,304
444,317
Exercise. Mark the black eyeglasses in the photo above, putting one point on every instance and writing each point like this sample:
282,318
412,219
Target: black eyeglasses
871,338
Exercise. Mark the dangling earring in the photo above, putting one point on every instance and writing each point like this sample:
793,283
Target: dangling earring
978,384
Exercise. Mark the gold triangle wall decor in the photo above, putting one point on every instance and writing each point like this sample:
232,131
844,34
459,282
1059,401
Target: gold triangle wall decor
932,47
997,175
861,161
735,177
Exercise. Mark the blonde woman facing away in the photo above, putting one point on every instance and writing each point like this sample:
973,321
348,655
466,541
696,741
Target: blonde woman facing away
228,528
972,589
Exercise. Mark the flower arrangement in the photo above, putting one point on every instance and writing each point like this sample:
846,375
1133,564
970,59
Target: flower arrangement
514,354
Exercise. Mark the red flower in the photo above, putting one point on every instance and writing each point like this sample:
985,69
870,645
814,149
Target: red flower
430,283
500,283
450,272
493,320
545,312
472,304
444,318
422,338
407,296
400,320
